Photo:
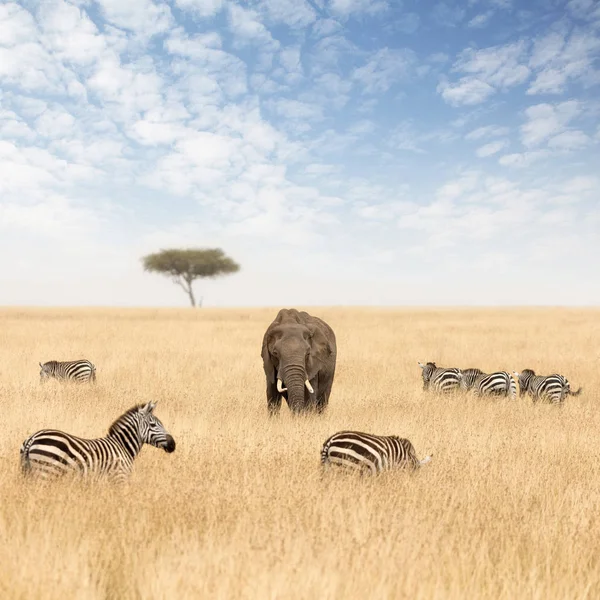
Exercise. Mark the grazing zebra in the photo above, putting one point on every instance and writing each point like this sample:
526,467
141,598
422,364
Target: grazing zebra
443,381
364,452
494,384
49,453
546,388
74,370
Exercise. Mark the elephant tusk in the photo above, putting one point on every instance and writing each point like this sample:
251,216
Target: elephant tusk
309,387
280,387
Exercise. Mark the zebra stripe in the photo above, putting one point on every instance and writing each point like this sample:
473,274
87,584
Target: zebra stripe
545,388
48,453
364,452
469,377
75,370
494,384
439,380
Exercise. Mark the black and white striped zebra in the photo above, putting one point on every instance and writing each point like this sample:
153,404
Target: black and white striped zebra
74,370
545,388
364,452
439,380
468,377
499,383
49,453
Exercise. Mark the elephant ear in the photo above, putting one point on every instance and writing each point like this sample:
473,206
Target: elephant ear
320,350
267,364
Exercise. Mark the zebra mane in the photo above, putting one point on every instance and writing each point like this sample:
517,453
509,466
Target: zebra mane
134,409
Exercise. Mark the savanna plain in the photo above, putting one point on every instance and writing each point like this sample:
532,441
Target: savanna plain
507,508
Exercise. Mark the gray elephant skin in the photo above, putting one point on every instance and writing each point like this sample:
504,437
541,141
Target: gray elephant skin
299,353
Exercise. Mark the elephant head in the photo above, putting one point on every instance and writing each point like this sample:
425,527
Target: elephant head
294,350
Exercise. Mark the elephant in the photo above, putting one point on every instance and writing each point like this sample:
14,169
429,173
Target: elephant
299,353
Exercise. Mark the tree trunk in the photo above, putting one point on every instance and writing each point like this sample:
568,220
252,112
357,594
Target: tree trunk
190,292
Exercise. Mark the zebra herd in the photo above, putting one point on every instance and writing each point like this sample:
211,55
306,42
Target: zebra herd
48,453
541,388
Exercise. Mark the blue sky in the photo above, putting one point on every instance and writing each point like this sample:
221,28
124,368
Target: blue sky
343,151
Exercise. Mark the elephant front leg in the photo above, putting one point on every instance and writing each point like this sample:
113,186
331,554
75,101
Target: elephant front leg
273,399
324,385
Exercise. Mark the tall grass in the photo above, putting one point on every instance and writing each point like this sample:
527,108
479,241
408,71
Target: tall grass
508,507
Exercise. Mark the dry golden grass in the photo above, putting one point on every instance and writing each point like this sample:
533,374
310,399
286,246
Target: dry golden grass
508,507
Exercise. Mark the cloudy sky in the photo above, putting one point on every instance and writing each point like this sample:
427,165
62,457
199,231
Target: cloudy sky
343,151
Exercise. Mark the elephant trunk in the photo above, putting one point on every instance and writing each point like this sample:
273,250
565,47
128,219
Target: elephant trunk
294,378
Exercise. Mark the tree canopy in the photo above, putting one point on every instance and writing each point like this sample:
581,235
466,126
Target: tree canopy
186,265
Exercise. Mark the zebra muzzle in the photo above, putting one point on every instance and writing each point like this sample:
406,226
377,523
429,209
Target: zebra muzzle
169,445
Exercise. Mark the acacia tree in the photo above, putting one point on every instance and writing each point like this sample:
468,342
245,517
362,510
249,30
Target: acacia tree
186,265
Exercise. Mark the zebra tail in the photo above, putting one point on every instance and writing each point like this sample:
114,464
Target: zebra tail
513,389
325,452
24,456
577,392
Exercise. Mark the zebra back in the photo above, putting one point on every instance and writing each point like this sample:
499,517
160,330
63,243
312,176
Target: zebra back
499,383
365,452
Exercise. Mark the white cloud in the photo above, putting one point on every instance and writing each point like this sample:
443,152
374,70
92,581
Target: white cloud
201,8
144,17
468,91
247,27
491,148
294,13
524,159
480,20
346,8
384,69
487,131
546,120
560,59
569,140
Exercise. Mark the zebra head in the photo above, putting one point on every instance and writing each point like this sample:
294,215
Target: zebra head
45,371
427,372
152,431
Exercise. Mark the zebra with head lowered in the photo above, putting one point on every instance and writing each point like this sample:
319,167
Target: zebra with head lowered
439,380
50,453
546,388
364,452
74,370
493,384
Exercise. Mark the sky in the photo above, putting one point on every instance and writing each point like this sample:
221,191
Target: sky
343,152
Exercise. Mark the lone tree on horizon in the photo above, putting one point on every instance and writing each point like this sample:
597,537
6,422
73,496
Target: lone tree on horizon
186,265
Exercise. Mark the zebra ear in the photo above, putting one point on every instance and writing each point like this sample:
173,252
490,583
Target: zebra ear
421,365
147,409
41,366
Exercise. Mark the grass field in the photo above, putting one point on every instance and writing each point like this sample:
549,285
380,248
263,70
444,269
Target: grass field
508,507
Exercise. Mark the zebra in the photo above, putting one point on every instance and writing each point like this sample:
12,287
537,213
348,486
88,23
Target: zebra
546,388
468,378
440,380
50,453
74,370
494,384
365,452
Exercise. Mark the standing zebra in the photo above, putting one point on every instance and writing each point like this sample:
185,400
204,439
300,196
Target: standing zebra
546,388
443,381
468,377
49,452
494,384
75,370
365,452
